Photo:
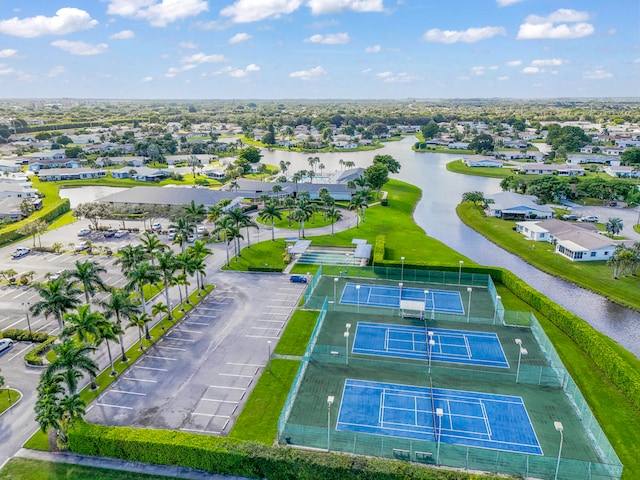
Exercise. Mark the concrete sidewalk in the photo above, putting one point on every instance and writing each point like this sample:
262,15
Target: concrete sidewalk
123,465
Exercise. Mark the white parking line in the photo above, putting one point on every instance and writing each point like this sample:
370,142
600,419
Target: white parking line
223,386
259,336
272,321
275,313
278,306
196,323
197,430
265,328
128,393
179,339
15,323
245,364
172,348
210,415
20,294
140,380
188,331
210,308
20,352
151,368
234,375
162,358
219,401
114,406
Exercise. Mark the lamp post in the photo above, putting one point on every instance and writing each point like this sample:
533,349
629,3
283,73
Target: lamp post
400,285
26,311
558,426
346,345
439,413
523,351
469,290
269,354
495,310
335,290
402,269
426,292
432,343
330,400
358,290
460,271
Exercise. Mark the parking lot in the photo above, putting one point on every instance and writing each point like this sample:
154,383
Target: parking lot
199,375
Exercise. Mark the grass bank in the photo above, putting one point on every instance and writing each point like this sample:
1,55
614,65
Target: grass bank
458,166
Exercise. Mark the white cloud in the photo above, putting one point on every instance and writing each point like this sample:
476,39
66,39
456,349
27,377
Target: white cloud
239,38
310,74
157,13
203,58
597,74
373,49
470,35
478,70
321,7
7,52
506,3
532,70
80,48
549,62
240,72
329,39
570,24
637,61
502,79
6,69
66,20
514,63
366,70
123,35
173,71
146,79
55,71
189,45
400,77
245,11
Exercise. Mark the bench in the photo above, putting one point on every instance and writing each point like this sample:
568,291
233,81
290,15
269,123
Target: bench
424,457
402,454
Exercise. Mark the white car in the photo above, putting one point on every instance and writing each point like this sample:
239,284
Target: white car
55,276
83,232
21,252
156,227
5,344
201,230
121,233
191,238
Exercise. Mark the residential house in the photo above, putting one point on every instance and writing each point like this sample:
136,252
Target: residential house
217,173
621,171
17,190
527,136
57,174
515,205
520,155
612,151
576,159
515,144
63,162
458,145
10,164
563,169
136,161
141,174
254,189
346,175
626,143
482,161
10,209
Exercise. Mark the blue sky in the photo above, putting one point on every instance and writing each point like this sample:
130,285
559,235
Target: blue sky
350,49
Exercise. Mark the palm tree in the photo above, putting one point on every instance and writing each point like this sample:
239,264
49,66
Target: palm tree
214,214
187,264
334,215
139,321
240,219
83,324
614,226
167,266
227,227
72,361
142,274
277,189
183,231
58,297
151,243
107,331
306,207
358,202
130,256
194,213
121,306
48,409
289,203
269,213
88,274
159,308
299,216
181,280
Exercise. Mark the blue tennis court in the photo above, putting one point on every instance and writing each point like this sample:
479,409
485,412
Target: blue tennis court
496,422
443,301
453,346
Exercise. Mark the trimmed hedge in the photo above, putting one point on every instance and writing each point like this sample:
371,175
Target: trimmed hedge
246,459
35,356
25,336
378,249
10,234
257,268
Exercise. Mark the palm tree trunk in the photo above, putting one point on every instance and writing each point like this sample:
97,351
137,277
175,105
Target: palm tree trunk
273,230
60,322
113,372
140,336
248,238
147,335
166,296
228,260
124,355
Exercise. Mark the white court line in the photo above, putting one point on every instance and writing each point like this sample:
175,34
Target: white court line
162,358
197,430
172,348
114,406
234,375
218,401
259,336
178,339
246,364
128,393
188,331
468,347
140,380
151,368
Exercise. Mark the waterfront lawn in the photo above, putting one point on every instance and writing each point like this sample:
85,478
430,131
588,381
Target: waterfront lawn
458,166
595,276
28,469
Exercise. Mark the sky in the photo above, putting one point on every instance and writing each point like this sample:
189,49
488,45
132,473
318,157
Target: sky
319,49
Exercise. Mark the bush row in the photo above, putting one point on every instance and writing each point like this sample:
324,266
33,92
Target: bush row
10,234
25,336
257,268
378,249
246,459
35,356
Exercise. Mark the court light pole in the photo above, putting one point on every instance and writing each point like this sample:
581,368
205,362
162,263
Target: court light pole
402,269
460,271
523,351
346,345
335,290
432,343
439,413
558,426
400,285
330,400
469,290
495,310
358,290
426,292
26,311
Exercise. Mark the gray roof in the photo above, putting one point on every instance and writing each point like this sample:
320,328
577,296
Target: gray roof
170,196
347,175
247,186
509,200
583,235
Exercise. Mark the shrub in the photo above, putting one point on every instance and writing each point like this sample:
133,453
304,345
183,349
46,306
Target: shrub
34,357
257,268
250,208
24,336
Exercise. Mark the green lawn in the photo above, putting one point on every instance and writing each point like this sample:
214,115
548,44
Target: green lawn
5,394
595,276
296,336
27,469
458,166
317,220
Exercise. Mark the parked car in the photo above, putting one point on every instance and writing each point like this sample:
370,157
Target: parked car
156,227
572,218
21,252
590,218
83,232
55,276
201,230
110,233
191,238
121,233
298,279
81,247
5,344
